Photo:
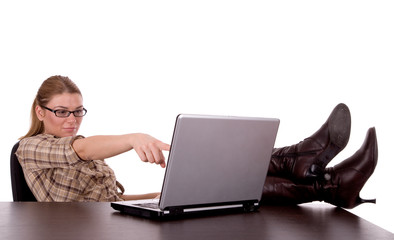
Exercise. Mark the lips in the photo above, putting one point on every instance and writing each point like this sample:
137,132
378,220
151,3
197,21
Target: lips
70,129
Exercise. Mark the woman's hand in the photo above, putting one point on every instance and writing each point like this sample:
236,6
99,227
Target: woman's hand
149,149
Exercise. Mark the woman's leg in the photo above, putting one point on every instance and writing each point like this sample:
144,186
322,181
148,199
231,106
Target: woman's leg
339,185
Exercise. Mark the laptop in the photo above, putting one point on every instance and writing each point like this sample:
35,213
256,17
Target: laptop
215,164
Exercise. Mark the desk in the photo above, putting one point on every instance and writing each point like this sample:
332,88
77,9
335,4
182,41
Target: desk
42,221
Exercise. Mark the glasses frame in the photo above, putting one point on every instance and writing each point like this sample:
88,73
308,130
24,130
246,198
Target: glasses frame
69,112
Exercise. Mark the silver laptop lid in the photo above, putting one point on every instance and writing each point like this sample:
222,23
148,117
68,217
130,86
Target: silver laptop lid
217,159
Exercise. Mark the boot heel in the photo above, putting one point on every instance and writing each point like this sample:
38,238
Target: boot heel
361,200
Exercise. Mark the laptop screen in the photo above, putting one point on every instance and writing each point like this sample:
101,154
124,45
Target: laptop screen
217,159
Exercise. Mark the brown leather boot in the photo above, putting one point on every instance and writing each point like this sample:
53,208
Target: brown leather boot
307,160
340,186
343,182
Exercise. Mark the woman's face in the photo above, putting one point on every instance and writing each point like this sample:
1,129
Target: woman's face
61,127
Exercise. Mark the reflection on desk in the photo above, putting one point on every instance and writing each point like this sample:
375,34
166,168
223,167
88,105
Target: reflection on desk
100,221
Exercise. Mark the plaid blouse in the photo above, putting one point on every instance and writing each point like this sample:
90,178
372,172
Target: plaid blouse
54,172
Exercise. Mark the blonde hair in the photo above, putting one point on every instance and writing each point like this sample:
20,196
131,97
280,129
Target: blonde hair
52,86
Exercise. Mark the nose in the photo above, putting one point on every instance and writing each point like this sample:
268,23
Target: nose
71,118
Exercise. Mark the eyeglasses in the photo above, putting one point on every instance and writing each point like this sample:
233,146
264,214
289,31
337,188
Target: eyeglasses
65,113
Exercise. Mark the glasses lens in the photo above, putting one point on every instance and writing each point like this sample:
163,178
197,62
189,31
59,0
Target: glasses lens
62,113
80,113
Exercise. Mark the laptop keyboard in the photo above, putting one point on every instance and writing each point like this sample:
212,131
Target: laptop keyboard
149,205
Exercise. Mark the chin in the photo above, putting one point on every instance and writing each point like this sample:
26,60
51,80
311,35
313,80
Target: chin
69,134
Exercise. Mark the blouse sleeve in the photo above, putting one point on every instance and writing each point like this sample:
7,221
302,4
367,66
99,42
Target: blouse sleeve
46,151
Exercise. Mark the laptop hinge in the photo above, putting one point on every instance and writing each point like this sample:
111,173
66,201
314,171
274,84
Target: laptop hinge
174,210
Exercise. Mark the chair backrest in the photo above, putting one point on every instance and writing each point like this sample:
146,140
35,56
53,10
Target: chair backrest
20,191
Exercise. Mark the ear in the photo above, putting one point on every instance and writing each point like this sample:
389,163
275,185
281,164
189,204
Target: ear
40,113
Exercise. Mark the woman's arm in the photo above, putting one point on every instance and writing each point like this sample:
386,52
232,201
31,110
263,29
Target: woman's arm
148,148
141,196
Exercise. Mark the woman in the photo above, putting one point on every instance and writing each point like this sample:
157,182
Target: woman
60,165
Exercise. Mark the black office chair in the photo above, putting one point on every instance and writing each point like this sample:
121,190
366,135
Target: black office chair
20,191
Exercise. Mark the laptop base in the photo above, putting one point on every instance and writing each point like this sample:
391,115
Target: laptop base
178,213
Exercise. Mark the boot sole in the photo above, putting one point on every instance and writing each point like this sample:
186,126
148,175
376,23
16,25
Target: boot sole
339,124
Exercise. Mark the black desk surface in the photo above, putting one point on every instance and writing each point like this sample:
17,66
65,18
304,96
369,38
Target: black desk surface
100,221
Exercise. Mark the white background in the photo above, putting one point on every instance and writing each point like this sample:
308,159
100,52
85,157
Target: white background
140,63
